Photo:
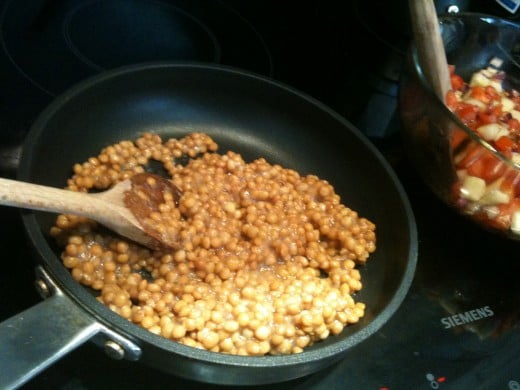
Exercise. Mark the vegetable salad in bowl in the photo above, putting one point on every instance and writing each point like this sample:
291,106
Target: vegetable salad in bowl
489,179
466,146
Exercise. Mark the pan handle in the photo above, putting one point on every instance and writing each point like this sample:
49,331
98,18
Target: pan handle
39,336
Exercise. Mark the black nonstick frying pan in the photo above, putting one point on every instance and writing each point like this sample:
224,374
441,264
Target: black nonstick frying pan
243,112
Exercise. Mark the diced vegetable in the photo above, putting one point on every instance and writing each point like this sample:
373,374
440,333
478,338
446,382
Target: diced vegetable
492,131
493,197
488,188
473,188
515,222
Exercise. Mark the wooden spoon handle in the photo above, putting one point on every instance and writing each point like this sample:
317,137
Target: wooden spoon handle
430,47
39,197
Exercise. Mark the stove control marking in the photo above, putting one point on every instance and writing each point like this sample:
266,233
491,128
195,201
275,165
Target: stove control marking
467,317
435,382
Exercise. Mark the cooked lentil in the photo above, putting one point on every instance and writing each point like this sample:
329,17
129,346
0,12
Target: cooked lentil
266,260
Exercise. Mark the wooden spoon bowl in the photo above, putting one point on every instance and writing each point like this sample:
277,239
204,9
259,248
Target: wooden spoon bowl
125,208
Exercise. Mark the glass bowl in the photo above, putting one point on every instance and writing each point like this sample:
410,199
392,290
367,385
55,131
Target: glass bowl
463,166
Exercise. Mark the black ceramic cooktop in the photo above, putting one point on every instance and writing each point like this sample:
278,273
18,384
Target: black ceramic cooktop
458,326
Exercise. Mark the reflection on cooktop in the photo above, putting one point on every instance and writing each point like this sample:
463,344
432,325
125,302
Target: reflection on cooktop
55,44
144,32
466,271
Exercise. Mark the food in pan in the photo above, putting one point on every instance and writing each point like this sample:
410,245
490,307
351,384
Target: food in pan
267,261
488,187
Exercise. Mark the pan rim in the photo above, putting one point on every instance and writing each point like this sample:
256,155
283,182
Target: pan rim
103,314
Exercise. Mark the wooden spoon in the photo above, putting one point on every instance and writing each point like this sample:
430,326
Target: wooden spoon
428,40
123,208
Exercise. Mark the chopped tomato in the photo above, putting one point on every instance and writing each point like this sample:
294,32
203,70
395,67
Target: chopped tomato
486,118
493,168
513,124
457,138
467,112
504,143
473,153
482,163
492,93
451,100
456,82
496,110
479,93
511,183
476,167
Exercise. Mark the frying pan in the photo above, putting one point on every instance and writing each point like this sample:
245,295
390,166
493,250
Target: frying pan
243,112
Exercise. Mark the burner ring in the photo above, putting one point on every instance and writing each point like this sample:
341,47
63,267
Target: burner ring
56,44
169,33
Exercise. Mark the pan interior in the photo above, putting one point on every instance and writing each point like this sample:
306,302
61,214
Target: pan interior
249,115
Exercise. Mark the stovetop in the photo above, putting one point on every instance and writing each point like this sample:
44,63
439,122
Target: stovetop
458,326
